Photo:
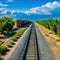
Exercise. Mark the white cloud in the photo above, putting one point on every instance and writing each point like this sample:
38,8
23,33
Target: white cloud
12,11
4,12
15,11
37,10
1,9
44,9
52,5
10,0
3,5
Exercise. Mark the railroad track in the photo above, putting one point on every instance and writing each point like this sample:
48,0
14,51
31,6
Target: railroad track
32,47
30,51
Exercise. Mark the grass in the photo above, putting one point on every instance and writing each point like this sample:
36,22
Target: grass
51,34
10,43
1,35
0,57
55,37
15,25
51,24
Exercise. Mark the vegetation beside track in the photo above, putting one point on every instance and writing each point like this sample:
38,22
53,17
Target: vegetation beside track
48,32
4,48
51,24
6,25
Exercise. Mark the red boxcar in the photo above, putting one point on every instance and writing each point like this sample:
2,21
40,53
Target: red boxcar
21,22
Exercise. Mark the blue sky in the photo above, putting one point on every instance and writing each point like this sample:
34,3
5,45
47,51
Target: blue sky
30,9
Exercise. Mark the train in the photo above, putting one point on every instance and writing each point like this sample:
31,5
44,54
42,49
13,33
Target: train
21,23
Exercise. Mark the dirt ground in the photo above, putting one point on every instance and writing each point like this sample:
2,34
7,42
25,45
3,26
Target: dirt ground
5,57
51,43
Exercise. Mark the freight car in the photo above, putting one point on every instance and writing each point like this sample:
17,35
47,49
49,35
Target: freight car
21,23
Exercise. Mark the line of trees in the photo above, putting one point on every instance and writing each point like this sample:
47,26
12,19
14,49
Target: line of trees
52,24
6,24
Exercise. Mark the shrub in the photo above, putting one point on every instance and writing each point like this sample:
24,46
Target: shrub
13,38
3,49
58,30
52,24
10,45
9,33
0,57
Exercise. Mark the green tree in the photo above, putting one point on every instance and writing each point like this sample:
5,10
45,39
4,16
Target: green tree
6,23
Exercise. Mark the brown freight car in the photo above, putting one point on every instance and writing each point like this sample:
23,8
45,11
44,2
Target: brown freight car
21,23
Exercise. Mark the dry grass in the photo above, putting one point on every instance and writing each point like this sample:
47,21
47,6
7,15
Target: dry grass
1,35
15,25
51,34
